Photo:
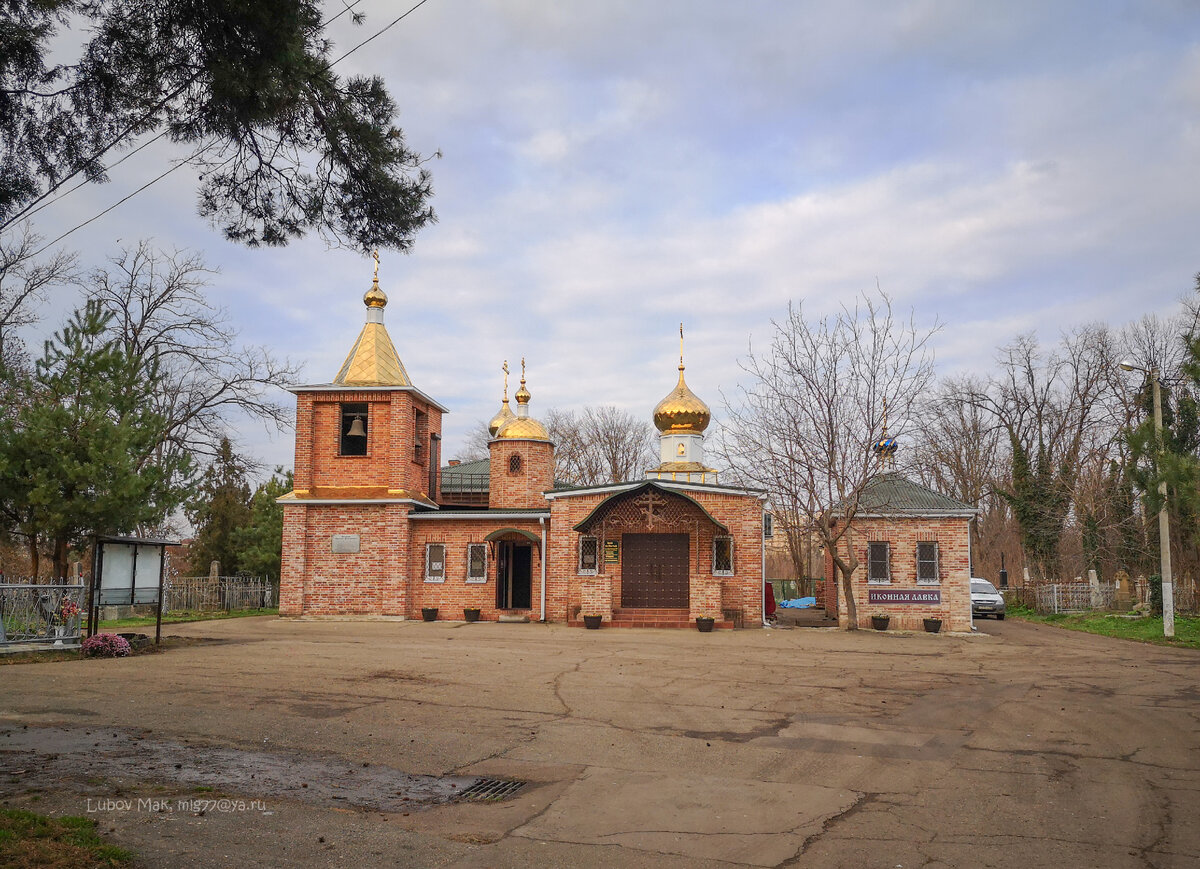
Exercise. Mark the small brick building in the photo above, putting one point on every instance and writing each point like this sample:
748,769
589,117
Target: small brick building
375,526
913,547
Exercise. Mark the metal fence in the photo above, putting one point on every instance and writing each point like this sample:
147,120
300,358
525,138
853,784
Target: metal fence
1073,597
32,613
1183,591
209,593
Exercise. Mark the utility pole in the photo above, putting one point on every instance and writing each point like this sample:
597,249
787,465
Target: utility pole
1164,520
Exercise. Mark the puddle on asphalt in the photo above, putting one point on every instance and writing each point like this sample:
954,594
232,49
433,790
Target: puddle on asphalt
35,755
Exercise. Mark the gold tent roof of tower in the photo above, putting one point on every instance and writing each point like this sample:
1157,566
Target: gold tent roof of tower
373,360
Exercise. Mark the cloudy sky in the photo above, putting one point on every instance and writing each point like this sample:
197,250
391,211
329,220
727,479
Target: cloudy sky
612,168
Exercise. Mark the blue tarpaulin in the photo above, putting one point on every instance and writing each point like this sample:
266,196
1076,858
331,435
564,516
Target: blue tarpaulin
799,603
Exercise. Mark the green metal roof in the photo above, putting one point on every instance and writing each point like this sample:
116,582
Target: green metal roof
894,494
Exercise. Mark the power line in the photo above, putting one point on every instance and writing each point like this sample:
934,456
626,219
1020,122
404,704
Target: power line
379,32
195,154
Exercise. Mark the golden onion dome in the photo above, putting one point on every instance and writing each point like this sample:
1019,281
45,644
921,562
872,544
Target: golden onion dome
523,428
375,297
681,410
500,419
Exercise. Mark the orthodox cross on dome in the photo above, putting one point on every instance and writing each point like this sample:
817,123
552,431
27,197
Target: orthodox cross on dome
680,346
375,254
885,447
504,368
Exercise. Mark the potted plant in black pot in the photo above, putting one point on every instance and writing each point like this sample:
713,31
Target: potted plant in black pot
429,613
880,621
592,621
704,624
471,613
932,626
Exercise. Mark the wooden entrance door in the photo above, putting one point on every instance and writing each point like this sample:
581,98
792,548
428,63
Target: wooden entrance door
654,570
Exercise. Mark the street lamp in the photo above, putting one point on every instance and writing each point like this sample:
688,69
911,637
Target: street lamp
1164,522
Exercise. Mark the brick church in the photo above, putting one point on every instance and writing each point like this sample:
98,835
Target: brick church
375,526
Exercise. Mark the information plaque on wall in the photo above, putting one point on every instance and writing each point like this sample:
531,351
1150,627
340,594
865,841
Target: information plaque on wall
612,551
345,543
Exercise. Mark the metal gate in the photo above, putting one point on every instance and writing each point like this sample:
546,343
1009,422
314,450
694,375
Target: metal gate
654,570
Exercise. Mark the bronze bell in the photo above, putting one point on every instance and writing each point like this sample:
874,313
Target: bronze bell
356,429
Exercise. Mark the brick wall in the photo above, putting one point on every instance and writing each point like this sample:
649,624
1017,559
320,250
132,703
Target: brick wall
392,460
903,534
523,489
317,581
742,591
454,593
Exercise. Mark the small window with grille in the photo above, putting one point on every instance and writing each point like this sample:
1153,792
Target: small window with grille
879,566
722,562
768,526
514,464
477,562
589,555
927,562
435,562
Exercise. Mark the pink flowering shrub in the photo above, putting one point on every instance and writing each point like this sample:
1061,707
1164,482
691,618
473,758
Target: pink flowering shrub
105,646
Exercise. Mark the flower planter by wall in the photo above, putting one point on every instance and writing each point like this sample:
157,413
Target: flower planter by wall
704,625
932,626
880,623
471,613
429,614
592,623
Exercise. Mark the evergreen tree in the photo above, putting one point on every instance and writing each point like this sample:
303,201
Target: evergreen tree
260,542
78,450
219,509
284,145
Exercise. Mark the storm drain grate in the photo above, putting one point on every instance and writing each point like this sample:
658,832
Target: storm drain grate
491,789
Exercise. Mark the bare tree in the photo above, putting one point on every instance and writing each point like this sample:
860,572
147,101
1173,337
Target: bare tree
23,282
1049,406
601,445
160,312
958,450
806,422
596,445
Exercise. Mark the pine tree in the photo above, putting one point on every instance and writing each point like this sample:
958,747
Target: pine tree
218,510
78,455
260,542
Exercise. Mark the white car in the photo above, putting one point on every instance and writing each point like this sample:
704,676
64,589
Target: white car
985,600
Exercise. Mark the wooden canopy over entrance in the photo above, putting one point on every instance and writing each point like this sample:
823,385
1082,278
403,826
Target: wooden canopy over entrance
659,530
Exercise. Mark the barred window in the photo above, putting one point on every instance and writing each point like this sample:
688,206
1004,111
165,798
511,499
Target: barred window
589,555
927,562
435,562
477,562
879,562
722,561
514,464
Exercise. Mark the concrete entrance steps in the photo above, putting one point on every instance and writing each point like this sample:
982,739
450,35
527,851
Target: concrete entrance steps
652,617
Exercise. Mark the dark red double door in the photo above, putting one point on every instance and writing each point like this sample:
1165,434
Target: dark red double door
654,571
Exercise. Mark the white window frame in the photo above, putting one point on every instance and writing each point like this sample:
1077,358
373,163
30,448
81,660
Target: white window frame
716,572
937,562
477,580
872,580
592,571
430,576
